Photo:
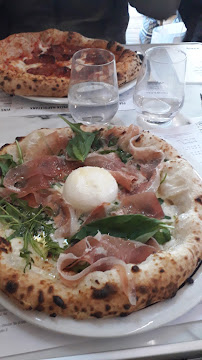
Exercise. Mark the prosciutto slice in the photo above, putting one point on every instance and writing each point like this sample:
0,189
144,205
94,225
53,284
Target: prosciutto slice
126,175
43,144
62,212
143,203
37,174
103,253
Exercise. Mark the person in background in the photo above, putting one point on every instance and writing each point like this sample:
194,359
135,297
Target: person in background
191,13
104,19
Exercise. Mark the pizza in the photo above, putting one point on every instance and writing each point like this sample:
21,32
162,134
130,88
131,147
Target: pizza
96,222
39,63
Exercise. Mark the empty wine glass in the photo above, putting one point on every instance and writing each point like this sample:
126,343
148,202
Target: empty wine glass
93,92
159,91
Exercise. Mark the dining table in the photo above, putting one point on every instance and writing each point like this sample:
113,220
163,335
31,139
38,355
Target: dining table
177,332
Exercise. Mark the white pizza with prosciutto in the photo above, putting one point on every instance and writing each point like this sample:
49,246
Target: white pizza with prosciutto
96,222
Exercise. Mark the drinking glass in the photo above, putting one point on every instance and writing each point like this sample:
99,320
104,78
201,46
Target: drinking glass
159,91
93,93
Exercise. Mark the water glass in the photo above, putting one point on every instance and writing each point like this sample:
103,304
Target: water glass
159,91
93,93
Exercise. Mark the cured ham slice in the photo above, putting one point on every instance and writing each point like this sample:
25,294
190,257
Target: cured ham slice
62,213
104,254
37,174
143,203
44,142
125,175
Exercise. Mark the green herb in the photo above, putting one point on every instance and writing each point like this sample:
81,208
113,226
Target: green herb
134,227
98,142
124,156
113,141
33,225
165,160
163,179
80,145
167,217
80,266
161,201
6,163
162,236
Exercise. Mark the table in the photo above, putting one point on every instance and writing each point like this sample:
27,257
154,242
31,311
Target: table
181,338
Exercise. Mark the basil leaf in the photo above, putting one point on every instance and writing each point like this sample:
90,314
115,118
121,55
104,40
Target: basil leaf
162,236
134,227
80,145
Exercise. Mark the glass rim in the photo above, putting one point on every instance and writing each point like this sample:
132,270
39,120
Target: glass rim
150,50
103,50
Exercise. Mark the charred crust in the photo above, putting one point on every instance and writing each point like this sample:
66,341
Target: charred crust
35,80
124,314
107,307
197,238
19,138
11,287
104,292
7,78
39,307
142,290
110,44
161,270
50,289
119,48
76,308
53,315
84,310
2,83
3,146
97,281
138,139
119,76
30,288
41,297
97,314
127,306
18,86
5,245
190,280
59,302
199,199
135,268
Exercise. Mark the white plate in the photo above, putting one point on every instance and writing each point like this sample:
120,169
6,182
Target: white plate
64,101
147,319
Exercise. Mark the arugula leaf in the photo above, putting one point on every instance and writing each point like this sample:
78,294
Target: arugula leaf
134,227
80,145
6,163
33,225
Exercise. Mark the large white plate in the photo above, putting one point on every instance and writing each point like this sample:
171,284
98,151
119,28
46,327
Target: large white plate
147,319
64,101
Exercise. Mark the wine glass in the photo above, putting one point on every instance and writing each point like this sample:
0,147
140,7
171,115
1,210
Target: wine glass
159,91
93,92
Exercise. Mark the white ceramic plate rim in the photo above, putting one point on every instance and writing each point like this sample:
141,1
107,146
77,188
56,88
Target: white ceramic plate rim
64,101
149,318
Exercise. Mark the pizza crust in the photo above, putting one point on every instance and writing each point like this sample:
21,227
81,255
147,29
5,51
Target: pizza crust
15,80
100,294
